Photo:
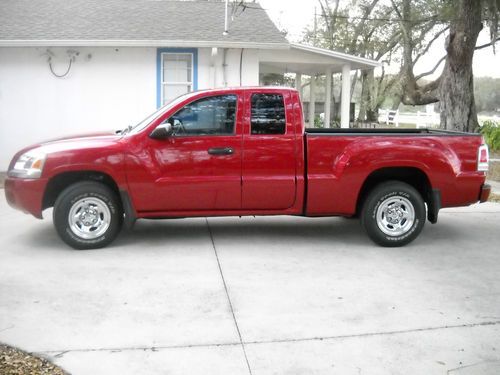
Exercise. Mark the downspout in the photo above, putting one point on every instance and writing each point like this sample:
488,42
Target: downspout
224,66
241,67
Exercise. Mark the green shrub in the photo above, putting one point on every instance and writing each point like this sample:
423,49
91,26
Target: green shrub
318,122
491,132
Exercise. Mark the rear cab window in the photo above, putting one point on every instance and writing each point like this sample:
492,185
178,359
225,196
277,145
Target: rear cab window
267,114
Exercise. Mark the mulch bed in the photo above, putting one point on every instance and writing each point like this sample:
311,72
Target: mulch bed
16,362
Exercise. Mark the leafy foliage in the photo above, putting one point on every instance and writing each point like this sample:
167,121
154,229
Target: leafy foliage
491,133
318,122
275,79
487,94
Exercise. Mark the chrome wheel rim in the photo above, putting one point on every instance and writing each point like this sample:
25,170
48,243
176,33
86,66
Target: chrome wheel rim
395,216
89,218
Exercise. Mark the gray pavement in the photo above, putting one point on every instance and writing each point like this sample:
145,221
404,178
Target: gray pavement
265,295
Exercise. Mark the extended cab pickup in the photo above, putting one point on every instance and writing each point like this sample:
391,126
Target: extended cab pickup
245,151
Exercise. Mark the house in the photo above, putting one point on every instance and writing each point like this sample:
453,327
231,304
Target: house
84,65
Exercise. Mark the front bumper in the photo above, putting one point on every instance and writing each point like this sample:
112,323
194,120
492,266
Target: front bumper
26,194
484,193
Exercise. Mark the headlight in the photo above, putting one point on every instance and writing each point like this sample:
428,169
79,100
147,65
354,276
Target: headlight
28,165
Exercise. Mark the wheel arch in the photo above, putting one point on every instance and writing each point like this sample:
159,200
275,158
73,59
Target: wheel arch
61,181
413,176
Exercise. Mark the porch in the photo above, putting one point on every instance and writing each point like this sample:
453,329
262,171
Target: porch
316,62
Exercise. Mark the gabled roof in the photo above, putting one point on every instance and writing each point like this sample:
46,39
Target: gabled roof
134,23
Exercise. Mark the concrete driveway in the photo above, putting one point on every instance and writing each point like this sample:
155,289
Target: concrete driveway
278,295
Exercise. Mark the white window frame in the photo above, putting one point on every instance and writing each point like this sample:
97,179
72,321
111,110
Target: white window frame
166,83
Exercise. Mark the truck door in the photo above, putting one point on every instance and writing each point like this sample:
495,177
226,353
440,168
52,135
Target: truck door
198,167
269,157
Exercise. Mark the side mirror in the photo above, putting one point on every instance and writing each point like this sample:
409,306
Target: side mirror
162,131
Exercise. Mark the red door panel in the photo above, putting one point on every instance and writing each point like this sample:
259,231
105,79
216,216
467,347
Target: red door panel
269,163
187,172
193,179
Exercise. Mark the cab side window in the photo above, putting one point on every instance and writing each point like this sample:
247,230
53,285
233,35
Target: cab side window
215,115
268,114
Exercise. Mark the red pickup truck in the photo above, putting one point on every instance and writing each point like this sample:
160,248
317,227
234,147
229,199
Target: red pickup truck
245,151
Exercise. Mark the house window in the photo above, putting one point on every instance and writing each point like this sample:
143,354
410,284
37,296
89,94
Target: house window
177,75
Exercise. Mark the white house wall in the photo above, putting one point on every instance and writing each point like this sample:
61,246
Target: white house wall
250,67
249,71
106,89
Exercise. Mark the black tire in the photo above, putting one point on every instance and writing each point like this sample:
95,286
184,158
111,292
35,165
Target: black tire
92,195
400,200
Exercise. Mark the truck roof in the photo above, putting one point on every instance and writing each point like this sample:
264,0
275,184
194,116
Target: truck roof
246,88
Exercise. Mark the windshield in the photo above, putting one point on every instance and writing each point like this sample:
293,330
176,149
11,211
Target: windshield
148,120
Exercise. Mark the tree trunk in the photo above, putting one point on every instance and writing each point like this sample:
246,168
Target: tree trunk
372,114
373,98
456,88
396,101
365,96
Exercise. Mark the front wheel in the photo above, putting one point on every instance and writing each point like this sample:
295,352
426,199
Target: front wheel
393,214
87,215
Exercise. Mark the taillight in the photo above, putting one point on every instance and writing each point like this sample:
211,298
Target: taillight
483,158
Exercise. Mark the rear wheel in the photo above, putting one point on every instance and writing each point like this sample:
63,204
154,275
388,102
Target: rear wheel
393,214
87,215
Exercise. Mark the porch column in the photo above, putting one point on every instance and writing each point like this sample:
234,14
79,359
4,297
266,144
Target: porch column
328,99
346,96
298,83
312,101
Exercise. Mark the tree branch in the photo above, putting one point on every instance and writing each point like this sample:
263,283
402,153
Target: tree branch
389,85
444,58
426,49
328,23
432,70
487,44
396,9
391,44
359,27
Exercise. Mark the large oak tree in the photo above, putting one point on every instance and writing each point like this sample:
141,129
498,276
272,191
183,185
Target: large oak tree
454,88
404,31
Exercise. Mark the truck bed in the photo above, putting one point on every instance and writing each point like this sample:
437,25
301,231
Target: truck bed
384,131
338,159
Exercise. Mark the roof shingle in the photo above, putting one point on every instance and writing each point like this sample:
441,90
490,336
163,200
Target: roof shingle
133,20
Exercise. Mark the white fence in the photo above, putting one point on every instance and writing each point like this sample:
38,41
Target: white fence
419,119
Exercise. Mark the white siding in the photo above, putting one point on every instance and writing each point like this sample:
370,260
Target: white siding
106,89
249,72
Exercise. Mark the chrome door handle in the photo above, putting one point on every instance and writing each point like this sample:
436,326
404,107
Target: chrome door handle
221,151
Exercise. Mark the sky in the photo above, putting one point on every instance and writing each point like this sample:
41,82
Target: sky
295,15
